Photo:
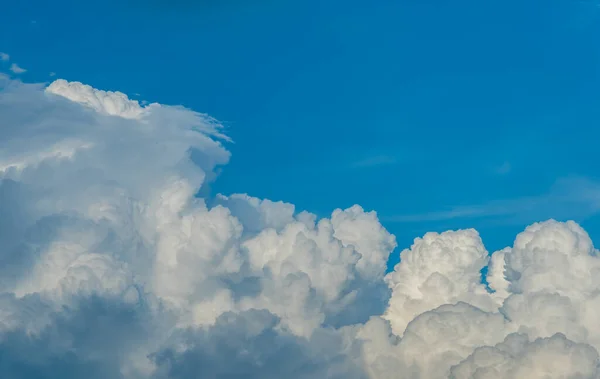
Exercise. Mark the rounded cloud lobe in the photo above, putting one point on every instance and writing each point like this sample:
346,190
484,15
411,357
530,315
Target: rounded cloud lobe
114,265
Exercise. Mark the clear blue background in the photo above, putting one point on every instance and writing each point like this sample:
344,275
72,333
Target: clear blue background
405,107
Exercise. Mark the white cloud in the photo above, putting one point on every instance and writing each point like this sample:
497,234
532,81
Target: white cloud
113,267
516,357
438,269
111,103
4,57
15,68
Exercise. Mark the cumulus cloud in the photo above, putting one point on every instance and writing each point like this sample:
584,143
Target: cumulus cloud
15,68
517,357
438,269
116,263
4,57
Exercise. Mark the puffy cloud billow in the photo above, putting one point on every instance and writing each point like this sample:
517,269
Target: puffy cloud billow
114,265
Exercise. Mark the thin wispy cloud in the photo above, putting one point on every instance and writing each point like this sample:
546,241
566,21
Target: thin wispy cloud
377,160
15,68
504,169
568,198
4,57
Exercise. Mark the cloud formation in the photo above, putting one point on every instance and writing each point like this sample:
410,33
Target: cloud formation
568,197
377,160
16,69
4,57
114,267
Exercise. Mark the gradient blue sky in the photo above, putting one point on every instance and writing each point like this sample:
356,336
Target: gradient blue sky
436,114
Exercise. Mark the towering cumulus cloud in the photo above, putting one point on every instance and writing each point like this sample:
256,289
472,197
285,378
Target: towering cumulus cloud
113,265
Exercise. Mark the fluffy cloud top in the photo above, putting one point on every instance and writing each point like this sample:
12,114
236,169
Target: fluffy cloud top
113,266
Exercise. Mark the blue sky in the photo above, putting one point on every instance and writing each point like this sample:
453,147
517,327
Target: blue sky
436,114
